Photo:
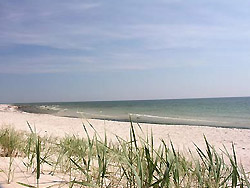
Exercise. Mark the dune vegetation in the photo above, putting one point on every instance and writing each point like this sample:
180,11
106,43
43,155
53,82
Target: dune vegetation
97,162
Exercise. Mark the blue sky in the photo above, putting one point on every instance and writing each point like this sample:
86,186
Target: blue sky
58,50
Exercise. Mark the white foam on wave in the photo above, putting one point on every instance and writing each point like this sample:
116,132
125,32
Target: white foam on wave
53,107
175,118
95,115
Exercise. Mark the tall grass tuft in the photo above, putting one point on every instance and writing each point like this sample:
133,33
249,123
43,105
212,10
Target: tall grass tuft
132,163
11,145
11,142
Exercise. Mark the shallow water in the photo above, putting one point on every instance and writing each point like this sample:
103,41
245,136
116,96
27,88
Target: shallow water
222,112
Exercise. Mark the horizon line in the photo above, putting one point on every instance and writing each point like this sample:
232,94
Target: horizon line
121,100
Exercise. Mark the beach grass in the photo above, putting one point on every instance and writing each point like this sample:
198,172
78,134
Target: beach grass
95,161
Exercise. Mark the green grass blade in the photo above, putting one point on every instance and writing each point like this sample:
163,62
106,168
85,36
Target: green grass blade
26,185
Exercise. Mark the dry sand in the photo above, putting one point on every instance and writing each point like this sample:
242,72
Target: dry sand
182,136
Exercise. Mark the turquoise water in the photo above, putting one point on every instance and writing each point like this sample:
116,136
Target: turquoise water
222,112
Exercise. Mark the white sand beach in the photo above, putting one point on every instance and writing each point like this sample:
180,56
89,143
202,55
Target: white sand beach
182,136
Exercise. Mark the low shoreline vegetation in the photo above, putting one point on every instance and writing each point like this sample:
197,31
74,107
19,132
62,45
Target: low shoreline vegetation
136,162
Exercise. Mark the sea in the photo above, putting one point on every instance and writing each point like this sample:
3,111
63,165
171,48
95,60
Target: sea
216,112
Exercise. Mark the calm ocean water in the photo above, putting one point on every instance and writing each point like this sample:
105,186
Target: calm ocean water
222,112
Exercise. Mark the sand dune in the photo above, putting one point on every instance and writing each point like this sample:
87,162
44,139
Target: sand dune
182,136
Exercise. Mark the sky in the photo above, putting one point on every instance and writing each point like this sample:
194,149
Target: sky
79,50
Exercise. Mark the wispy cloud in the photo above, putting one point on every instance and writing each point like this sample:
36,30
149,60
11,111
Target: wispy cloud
116,36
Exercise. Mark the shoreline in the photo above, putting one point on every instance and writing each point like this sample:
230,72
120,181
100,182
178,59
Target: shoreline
20,109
